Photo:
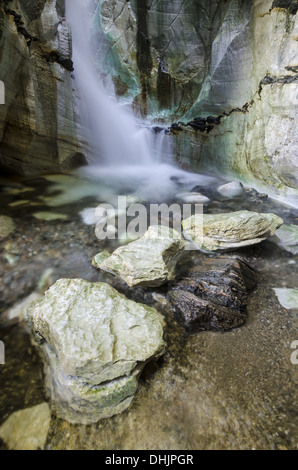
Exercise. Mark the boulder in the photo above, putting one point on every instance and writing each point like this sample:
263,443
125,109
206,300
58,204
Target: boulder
214,295
231,190
95,343
149,261
75,401
213,232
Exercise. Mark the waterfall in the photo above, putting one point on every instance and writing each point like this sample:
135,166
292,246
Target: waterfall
112,131
123,153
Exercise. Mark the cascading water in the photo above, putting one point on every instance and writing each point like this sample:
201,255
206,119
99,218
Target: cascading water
123,153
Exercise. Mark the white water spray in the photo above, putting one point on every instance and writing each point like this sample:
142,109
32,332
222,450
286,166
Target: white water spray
123,154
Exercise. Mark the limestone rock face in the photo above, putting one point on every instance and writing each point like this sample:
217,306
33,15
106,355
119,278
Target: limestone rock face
75,401
236,59
158,52
37,121
149,261
213,232
95,343
252,84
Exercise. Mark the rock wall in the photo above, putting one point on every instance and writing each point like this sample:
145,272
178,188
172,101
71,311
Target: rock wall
37,122
256,140
193,58
174,61
158,51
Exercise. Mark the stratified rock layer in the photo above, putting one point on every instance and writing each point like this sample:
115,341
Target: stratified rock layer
149,261
37,121
214,232
214,295
95,343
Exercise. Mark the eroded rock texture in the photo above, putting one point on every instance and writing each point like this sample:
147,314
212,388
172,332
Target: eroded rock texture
148,261
214,295
212,232
37,122
94,343
233,60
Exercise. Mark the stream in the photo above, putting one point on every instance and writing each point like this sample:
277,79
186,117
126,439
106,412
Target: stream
211,389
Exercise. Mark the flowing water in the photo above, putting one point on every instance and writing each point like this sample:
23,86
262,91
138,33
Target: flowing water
124,153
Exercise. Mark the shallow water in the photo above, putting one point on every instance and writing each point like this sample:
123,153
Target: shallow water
210,390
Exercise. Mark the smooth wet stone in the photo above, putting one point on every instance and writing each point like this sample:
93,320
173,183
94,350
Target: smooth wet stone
27,429
288,298
92,215
7,226
231,190
287,237
96,333
19,203
49,216
213,232
19,311
149,261
89,216
193,198
100,257
214,295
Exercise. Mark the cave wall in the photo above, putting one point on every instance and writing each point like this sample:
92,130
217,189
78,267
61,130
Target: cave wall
37,122
256,140
174,61
237,59
158,51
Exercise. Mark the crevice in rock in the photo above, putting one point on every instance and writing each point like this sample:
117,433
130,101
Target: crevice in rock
284,79
206,125
144,59
52,56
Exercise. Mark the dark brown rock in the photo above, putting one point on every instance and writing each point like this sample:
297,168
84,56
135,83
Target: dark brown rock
215,294
199,314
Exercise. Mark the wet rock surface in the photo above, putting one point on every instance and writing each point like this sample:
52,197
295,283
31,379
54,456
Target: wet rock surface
214,295
287,238
210,390
149,261
232,230
95,343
